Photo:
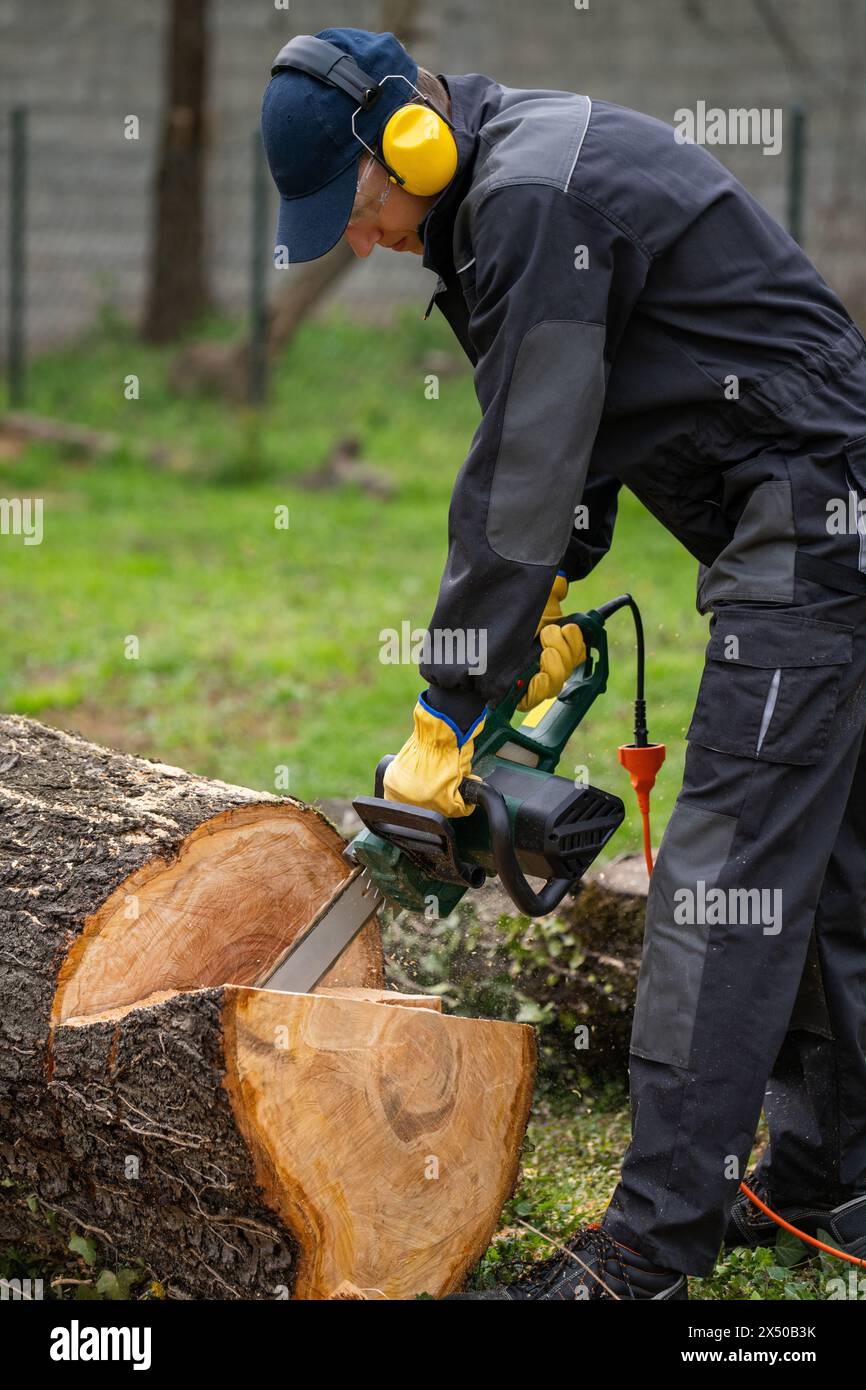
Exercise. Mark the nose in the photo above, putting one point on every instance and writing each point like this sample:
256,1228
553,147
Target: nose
362,239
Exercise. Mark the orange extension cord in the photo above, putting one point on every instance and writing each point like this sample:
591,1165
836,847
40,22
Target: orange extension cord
643,765
795,1231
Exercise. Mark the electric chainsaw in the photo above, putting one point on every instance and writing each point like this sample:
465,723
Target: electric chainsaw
527,820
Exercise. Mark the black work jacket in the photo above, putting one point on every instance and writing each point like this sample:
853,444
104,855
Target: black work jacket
633,317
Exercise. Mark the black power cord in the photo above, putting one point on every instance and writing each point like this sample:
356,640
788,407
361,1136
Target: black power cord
604,610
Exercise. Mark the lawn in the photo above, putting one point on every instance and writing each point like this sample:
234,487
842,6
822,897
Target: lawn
257,648
572,1153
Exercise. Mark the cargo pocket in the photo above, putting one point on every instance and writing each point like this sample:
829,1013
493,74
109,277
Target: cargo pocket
770,685
693,852
855,456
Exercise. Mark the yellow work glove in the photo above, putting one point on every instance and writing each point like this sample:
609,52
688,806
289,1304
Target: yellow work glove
562,649
433,762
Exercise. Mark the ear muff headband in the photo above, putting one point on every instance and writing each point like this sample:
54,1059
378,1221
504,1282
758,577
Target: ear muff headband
419,151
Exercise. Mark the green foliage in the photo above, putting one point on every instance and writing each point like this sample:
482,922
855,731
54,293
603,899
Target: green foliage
571,1156
17,1262
789,1250
571,1160
761,1275
80,1245
520,970
74,1276
453,958
119,1285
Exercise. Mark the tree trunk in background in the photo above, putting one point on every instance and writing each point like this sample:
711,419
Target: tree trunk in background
223,368
177,293
294,304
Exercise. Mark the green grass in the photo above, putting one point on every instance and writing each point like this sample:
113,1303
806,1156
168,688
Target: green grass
572,1153
259,648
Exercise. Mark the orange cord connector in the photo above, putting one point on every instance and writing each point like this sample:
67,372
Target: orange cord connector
643,763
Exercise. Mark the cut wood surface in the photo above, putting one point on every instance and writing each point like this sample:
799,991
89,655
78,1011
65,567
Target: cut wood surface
240,1142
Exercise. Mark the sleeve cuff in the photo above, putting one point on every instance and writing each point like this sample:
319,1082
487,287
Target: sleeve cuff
460,707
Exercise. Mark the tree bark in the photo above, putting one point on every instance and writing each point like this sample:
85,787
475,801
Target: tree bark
241,1142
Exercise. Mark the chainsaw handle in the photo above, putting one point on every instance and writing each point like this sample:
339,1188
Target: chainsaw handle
492,802
520,684
548,739
381,769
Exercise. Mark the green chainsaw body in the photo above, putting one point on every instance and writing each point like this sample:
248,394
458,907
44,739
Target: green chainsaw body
519,764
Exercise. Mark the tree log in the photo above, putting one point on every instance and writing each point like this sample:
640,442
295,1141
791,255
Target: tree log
242,1143
80,441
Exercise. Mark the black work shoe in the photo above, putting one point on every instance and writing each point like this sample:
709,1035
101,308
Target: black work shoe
845,1224
597,1266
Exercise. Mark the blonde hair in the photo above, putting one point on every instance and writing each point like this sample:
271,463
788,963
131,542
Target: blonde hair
431,88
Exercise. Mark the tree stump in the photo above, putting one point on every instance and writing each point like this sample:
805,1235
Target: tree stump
242,1143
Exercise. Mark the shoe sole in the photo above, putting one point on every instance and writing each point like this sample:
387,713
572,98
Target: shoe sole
679,1290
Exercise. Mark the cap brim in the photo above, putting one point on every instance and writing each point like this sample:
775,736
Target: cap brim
310,226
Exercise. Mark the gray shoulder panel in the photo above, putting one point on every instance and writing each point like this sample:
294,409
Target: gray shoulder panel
535,137
551,418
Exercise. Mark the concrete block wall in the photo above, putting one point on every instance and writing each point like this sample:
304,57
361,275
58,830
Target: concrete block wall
81,66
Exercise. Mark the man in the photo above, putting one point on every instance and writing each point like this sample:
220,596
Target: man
634,317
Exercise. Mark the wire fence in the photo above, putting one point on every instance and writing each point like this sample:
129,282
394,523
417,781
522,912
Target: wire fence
78,211
76,217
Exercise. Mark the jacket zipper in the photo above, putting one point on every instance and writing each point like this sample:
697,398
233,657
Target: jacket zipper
440,286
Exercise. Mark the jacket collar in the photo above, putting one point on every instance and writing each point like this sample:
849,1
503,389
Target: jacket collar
474,99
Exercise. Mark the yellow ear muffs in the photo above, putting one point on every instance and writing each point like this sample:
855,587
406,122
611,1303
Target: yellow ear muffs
419,146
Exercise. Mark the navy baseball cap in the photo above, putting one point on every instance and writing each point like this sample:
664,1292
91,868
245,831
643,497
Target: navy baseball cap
312,154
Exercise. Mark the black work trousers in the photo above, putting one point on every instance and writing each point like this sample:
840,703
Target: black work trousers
752,989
